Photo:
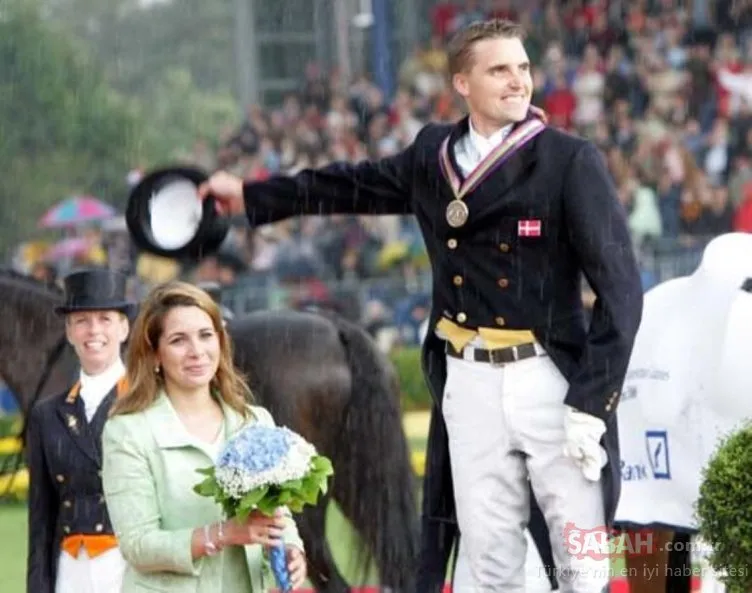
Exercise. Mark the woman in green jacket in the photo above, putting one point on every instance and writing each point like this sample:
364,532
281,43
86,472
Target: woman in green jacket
185,399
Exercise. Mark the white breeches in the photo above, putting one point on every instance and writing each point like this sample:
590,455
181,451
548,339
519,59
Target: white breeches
506,426
536,578
101,574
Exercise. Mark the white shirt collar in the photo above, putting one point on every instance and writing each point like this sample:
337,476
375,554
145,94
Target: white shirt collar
95,388
481,145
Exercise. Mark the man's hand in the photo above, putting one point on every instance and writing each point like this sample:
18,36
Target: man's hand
227,191
583,434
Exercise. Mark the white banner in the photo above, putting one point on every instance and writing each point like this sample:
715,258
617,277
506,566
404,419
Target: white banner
689,383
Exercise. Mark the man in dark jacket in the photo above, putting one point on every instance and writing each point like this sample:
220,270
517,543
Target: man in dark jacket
512,213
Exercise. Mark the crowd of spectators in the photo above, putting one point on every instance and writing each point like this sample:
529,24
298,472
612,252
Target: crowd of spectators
663,87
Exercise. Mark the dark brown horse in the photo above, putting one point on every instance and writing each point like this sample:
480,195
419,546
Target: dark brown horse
318,374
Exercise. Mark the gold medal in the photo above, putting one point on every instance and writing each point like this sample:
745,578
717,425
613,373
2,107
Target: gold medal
457,213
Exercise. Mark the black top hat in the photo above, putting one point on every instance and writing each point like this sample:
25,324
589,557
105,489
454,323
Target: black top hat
165,217
95,290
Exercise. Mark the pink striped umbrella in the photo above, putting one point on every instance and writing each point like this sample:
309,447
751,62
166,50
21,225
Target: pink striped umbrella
76,210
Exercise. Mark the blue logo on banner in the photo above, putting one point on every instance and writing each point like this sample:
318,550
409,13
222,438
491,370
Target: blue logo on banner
656,442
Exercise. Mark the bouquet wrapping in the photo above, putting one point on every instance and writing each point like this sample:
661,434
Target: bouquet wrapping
263,468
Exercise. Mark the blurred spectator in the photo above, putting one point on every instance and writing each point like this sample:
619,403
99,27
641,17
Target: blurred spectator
663,87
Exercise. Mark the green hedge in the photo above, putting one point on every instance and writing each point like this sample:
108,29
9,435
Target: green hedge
10,425
723,510
415,394
11,489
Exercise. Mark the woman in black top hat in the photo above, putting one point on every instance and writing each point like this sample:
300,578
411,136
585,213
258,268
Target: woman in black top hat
72,548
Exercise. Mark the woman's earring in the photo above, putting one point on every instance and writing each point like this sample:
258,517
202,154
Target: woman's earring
156,369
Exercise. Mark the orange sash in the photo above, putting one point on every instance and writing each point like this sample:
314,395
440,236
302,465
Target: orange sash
93,544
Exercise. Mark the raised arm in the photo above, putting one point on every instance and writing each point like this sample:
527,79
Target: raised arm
368,187
597,227
380,187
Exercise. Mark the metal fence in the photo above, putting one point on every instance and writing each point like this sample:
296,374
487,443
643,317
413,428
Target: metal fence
350,297
660,260
664,259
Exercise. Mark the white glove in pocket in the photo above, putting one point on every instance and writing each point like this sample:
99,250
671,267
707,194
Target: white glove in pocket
583,435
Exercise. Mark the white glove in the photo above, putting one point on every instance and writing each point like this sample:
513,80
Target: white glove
583,434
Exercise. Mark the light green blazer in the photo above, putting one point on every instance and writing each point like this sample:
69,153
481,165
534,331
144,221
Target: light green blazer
148,474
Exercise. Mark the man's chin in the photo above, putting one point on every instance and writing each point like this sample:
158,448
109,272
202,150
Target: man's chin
513,117
520,113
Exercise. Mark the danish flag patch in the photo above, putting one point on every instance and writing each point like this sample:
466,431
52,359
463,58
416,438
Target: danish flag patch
529,228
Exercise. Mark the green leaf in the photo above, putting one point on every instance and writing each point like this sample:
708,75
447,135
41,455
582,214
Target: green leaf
292,485
323,464
267,507
206,471
311,496
250,500
240,513
207,488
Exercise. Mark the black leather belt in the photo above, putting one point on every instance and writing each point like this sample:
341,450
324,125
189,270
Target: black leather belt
497,355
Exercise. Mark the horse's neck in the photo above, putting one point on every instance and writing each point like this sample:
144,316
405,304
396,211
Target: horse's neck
63,372
30,330
24,354
709,301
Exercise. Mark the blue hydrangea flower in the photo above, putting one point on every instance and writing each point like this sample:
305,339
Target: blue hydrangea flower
255,449
262,456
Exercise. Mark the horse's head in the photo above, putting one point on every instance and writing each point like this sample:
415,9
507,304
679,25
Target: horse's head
30,333
686,323
725,277
726,262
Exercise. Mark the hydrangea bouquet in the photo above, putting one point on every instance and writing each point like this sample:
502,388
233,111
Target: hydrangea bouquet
262,468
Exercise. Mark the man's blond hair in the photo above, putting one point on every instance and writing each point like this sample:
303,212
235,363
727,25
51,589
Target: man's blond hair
461,45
